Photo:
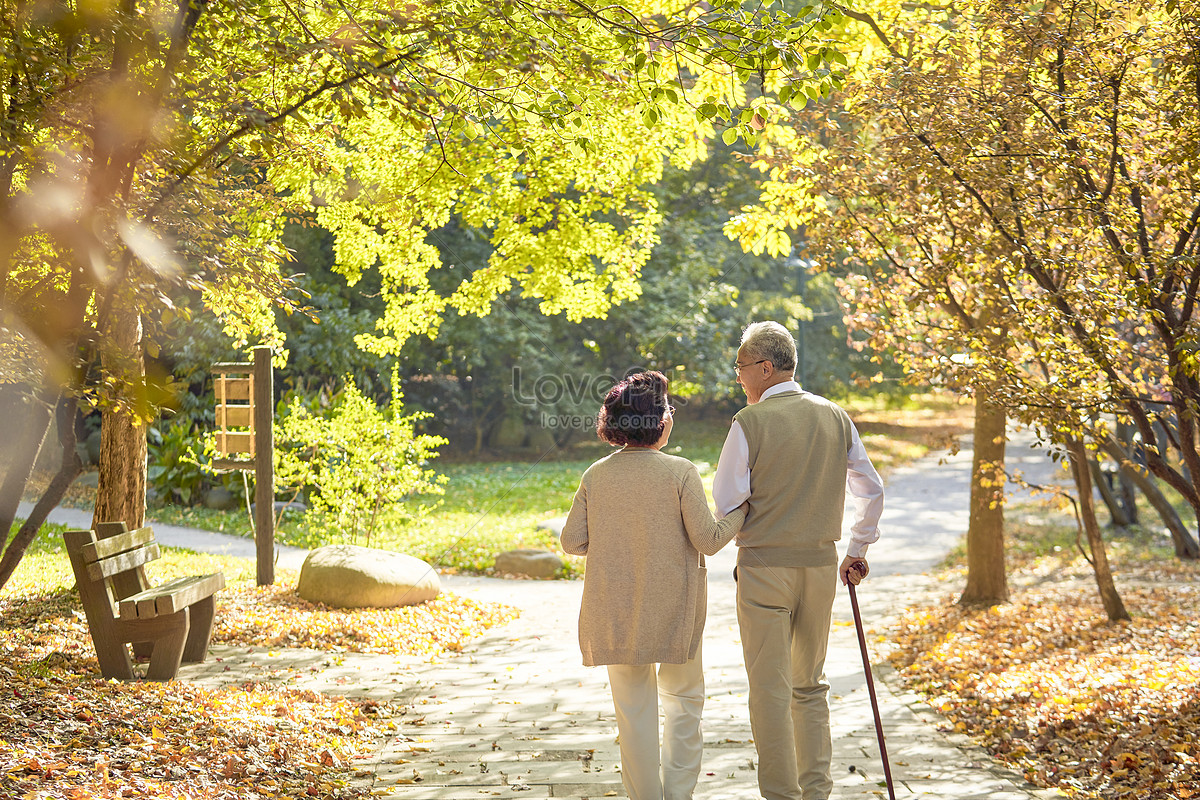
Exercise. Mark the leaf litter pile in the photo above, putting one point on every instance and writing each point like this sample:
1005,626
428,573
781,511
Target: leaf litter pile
1051,687
66,733
275,616
66,737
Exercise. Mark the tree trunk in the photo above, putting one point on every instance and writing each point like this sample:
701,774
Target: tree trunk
1087,510
1186,546
29,435
1126,491
1115,510
121,495
68,471
987,580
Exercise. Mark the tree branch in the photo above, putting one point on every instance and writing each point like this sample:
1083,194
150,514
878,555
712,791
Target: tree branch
300,21
1186,233
870,22
246,127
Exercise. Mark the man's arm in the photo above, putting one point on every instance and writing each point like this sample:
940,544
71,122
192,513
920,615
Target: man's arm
866,487
731,484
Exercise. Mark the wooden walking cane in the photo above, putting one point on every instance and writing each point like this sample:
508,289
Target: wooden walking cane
862,645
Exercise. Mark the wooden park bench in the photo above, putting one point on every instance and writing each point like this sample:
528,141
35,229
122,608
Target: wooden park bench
169,623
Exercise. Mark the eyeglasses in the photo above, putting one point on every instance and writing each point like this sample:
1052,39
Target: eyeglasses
670,411
737,368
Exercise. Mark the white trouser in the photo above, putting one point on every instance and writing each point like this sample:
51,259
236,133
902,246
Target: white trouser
637,691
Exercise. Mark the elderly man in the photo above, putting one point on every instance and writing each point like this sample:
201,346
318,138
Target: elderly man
793,455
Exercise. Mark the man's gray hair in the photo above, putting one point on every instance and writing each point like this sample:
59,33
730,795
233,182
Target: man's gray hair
772,342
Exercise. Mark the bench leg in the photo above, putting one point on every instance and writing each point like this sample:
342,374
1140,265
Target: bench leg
113,656
168,647
202,614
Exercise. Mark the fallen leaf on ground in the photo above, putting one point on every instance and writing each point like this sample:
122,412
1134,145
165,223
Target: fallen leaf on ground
1050,686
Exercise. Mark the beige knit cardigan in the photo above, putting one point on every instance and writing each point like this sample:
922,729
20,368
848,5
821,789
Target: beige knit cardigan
641,517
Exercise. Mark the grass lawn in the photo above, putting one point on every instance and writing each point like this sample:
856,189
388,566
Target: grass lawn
491,506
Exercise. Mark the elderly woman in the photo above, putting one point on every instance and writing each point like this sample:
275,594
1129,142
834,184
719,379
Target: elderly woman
642,519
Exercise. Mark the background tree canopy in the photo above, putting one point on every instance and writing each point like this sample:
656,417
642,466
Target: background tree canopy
698,289
1017,190
150,146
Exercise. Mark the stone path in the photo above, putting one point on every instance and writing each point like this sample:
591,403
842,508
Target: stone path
516,715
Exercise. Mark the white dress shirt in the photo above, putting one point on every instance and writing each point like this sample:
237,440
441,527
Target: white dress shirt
731,484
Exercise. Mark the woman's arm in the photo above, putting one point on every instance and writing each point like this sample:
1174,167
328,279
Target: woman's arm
574,536
708,535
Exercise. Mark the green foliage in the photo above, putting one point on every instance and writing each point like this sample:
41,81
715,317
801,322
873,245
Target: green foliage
356,461
173,471
154,147
155,153
179,463
698,291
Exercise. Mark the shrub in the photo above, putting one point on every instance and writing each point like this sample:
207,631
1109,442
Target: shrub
355,460
180,464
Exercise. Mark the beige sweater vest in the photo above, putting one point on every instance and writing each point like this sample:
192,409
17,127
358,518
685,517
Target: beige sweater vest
799,444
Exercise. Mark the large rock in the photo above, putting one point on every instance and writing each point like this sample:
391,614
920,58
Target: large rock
349,576
553,524
88,480
534,563
92,445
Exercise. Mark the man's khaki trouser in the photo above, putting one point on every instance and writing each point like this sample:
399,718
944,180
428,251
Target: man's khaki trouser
637,692
784,614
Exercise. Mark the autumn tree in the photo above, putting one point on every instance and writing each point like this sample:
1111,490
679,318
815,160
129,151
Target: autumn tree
1022,194
150,146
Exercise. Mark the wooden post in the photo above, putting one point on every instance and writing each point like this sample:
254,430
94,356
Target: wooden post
264,466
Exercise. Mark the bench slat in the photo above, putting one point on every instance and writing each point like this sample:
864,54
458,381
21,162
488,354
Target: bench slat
123,562
171,596
185,596
142,604
111,545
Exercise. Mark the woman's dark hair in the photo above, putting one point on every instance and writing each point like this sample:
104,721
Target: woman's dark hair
634,410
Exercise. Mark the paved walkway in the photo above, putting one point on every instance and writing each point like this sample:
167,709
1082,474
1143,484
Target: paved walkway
516,715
